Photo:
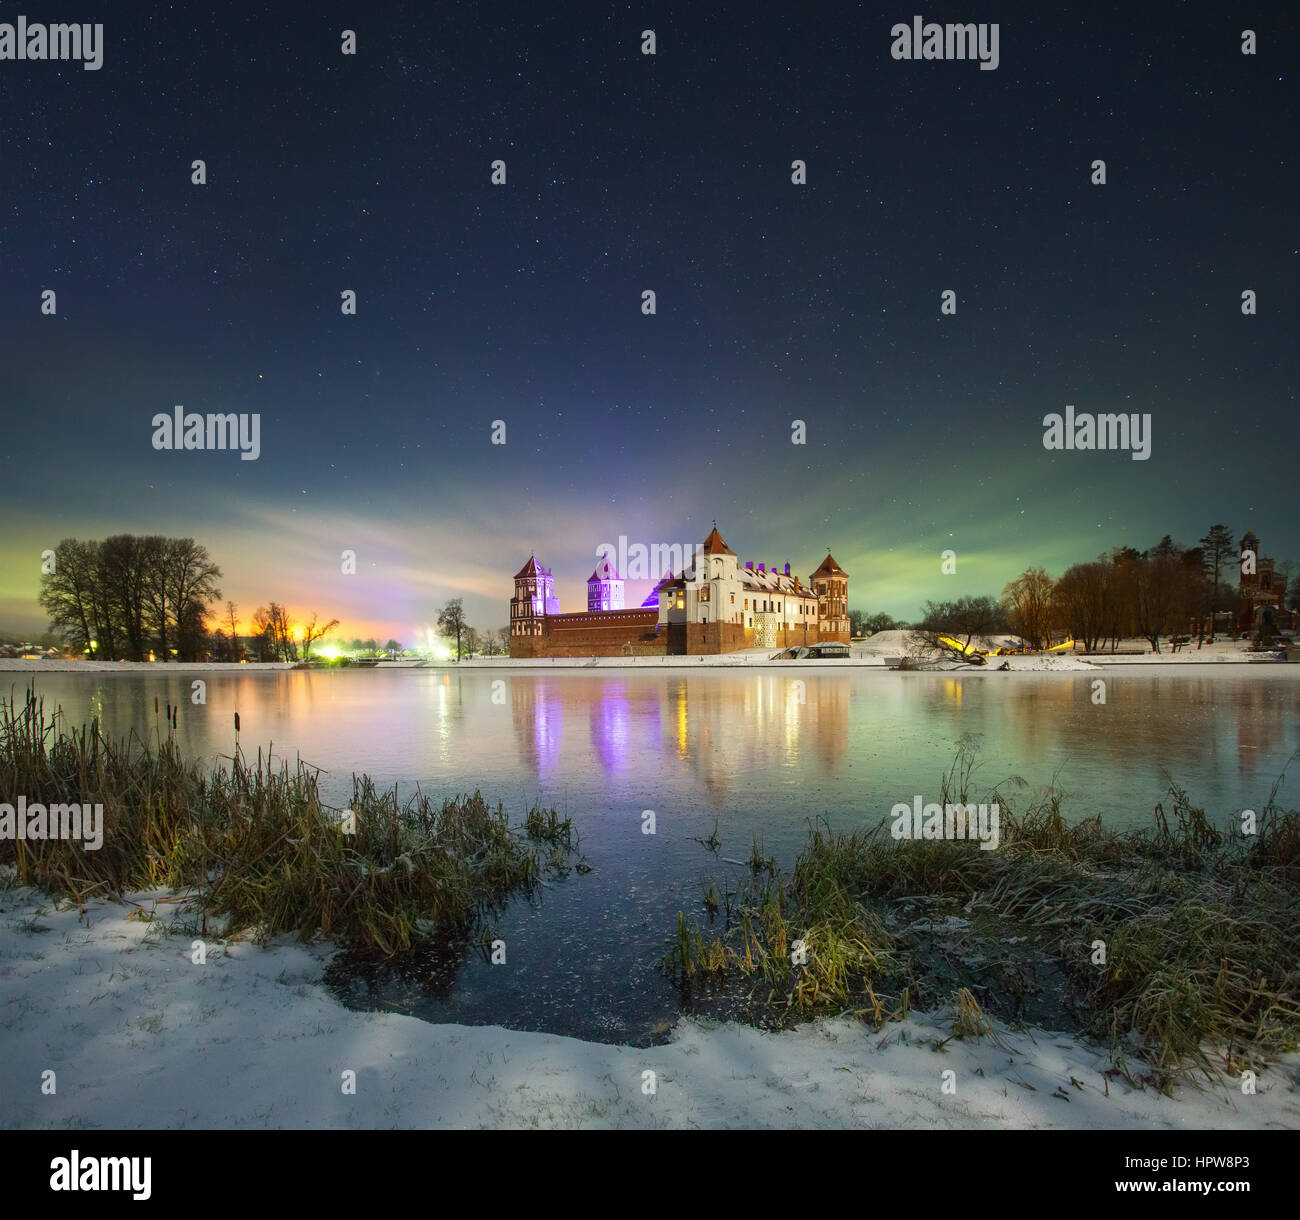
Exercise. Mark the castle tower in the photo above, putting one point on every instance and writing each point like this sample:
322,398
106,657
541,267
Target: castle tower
717,578
534,599
604,588
652,599
831,584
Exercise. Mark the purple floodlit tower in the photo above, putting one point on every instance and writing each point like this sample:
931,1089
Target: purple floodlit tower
604,588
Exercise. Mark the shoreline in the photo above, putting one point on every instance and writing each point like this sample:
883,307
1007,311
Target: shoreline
1080,663
251,1038
18,665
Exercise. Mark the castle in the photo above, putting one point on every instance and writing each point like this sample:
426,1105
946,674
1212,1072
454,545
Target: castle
714,606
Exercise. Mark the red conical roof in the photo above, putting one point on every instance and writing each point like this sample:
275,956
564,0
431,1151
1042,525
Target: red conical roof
532,568
714,545
829,568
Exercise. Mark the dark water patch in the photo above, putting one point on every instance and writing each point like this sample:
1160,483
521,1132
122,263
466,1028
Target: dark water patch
560,975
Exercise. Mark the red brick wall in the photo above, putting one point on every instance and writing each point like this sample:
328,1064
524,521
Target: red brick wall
527,646
610,633
714,637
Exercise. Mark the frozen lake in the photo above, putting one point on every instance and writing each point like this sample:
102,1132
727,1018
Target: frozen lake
753,750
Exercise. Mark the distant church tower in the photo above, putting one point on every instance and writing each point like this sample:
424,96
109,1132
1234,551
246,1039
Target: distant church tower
534,598
604,588
831,584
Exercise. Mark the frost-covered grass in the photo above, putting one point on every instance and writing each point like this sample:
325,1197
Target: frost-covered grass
258,847
1178,946
141,1036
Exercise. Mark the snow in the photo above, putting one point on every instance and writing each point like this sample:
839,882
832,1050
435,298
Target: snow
900,643
140,1037
1220,652
743,657
869,653
19,665
1046,662
885,644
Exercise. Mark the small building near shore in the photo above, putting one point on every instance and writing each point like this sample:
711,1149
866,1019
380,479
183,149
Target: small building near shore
1261,595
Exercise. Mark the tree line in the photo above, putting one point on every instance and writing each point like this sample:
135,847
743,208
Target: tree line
1165,591
276,638
863,623
127,596
130,596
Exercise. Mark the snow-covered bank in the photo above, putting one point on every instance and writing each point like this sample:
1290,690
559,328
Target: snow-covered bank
861,656
140,1036
747,659
885,647
1232,653
869,654
20,665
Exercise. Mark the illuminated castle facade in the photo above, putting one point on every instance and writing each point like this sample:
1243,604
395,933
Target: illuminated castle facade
714,606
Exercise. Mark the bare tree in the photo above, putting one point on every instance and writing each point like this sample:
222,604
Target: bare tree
68,592
1027,601
191,577
271,623
158,607
950,627
124,573
1122,600
1156,590
1081,598
311,633
232,617
452,623
1220,551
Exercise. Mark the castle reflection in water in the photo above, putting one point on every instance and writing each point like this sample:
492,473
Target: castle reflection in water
722,729
730,738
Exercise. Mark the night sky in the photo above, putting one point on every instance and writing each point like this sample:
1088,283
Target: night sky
628,172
